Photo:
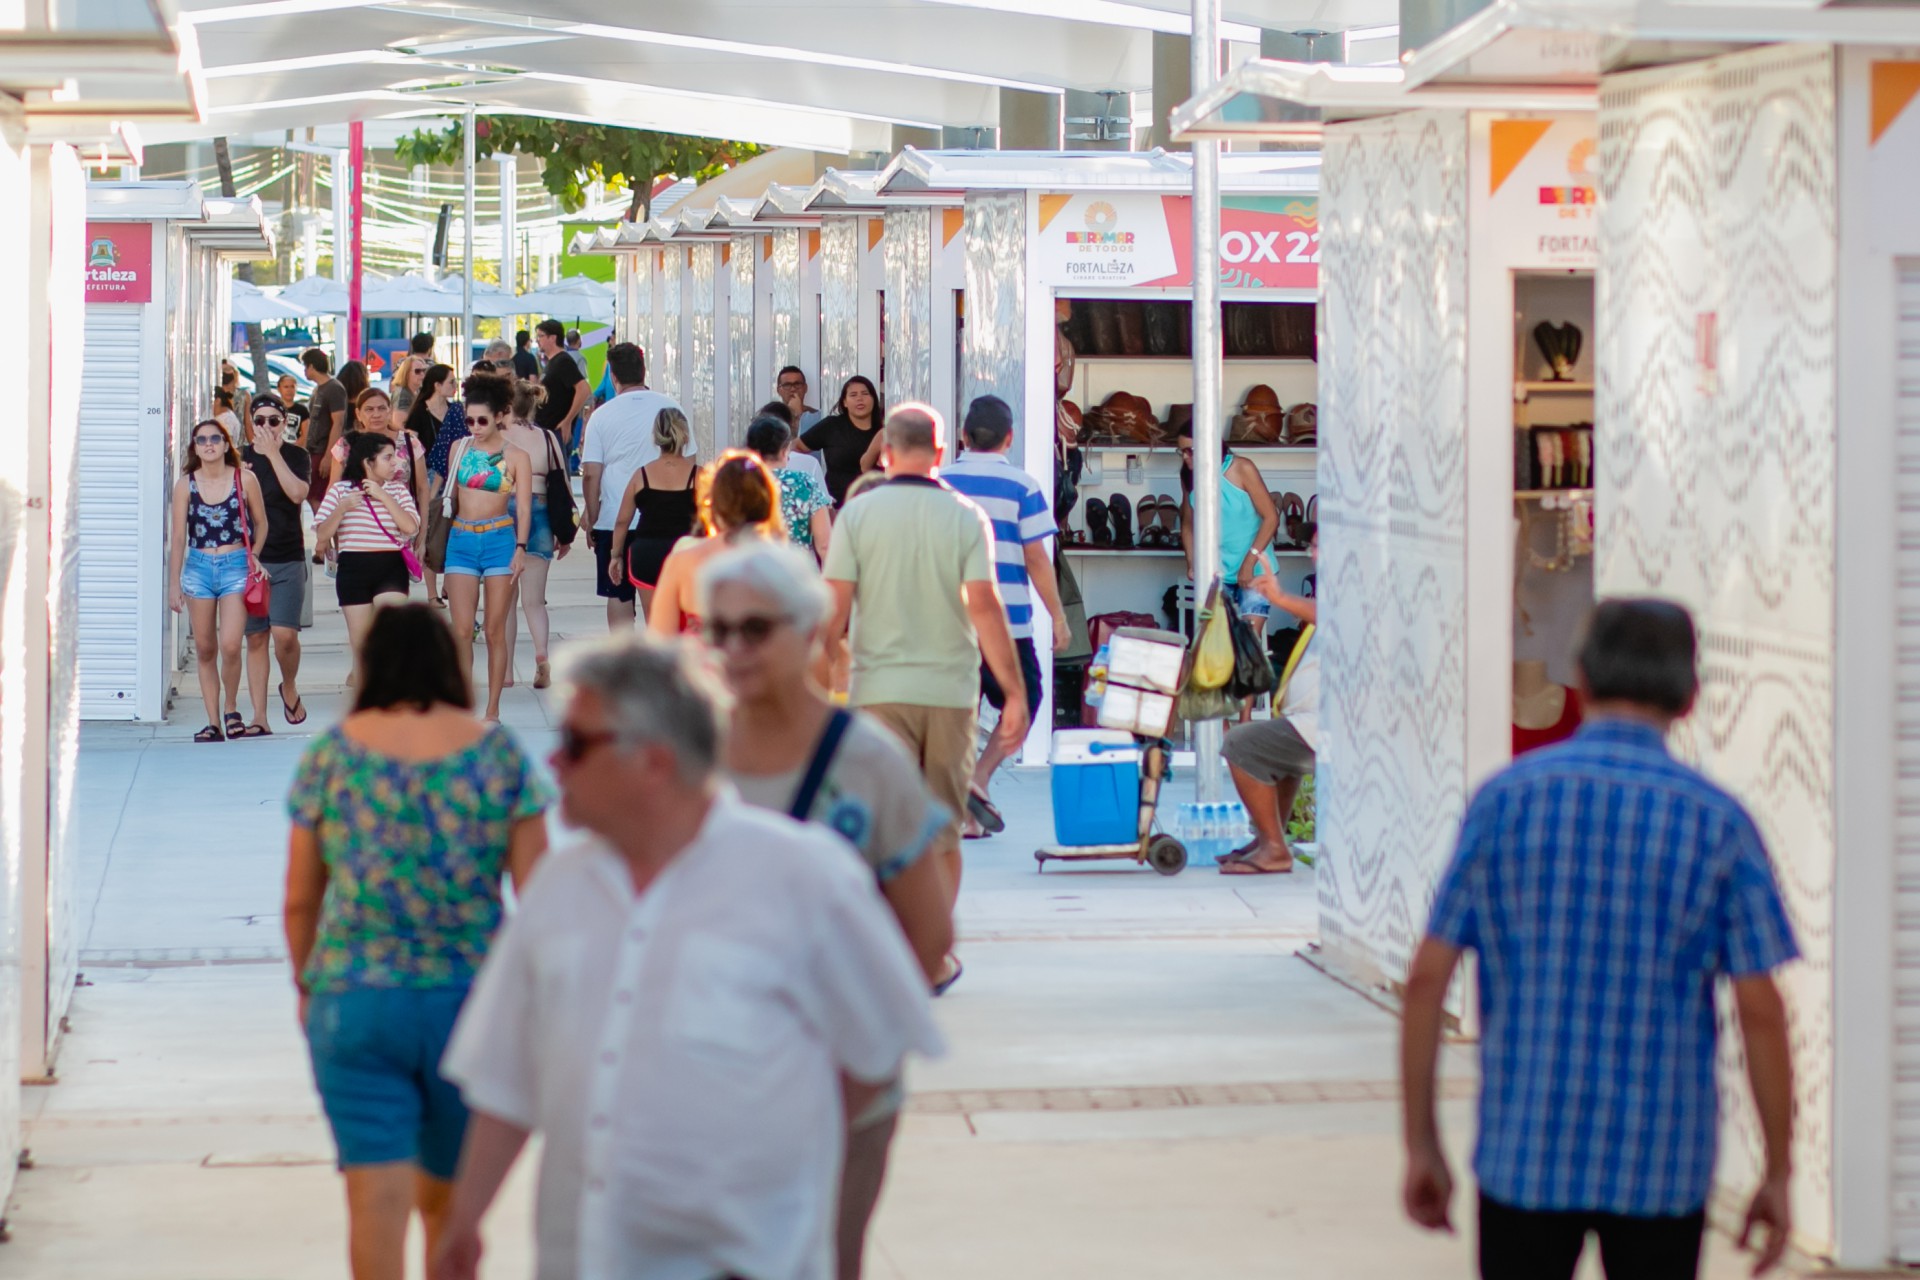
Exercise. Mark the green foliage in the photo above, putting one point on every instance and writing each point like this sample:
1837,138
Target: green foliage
1300,825
578,155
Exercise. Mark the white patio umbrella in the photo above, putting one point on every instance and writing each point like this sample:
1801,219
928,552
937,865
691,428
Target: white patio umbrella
408,295
252,305
571,298
490,301
320,295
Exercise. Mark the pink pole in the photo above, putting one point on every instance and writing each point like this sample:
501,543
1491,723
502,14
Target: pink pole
356,159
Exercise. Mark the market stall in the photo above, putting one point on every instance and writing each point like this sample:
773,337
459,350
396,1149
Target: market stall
852,272
1747,374
792,269
1096,246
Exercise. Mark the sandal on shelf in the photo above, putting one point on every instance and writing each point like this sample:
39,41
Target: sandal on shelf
1122,512
233,724
1292,512
1149,512
1170,518
295,714
1097,523
210,734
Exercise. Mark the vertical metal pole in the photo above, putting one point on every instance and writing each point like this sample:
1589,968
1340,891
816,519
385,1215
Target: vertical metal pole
466,286
342,185
357,162
509,223
1207,432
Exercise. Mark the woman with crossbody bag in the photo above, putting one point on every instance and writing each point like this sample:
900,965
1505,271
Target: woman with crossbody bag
543,548
763,606
371,515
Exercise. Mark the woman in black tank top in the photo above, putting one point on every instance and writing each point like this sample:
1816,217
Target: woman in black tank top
656,511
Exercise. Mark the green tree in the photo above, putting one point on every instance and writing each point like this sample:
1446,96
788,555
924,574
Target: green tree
578,155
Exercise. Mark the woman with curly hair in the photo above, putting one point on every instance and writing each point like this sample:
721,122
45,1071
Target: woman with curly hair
738,500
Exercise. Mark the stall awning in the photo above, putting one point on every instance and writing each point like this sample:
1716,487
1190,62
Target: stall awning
846,191
1263,99
915,171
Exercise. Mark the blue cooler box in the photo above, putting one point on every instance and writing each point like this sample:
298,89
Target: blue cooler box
1096,787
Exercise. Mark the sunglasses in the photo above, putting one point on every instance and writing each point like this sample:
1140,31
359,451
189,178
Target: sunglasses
480,419
267,419
751,631
210,440
576,744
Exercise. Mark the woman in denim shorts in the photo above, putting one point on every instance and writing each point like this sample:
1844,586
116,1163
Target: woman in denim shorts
213,542
406,816
543,454
489,495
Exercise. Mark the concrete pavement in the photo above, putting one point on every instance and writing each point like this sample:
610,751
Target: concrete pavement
1145,1080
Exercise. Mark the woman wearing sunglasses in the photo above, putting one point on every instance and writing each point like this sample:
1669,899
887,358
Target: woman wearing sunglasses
219,525
738,500
489,497
763,607
280,469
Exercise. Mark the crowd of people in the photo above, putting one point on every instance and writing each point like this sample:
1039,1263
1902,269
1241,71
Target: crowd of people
705,999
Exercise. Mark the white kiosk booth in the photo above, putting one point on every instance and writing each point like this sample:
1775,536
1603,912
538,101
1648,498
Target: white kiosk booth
160,256
852,281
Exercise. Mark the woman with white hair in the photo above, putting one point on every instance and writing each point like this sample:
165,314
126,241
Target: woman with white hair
763,606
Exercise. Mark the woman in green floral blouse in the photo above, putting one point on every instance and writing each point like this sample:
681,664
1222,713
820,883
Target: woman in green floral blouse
804,503
407,816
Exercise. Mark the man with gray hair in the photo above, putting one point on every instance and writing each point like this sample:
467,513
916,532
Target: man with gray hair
499,354
918,560
690,1002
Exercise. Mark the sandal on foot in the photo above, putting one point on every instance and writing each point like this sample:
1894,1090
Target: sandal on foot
254,731
210,734
299,706
1248,867
941,987
985,814
542,675
233,724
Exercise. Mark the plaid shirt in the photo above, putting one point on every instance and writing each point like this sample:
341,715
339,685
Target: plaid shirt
1605,886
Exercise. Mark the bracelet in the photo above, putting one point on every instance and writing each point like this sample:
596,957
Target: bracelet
519,546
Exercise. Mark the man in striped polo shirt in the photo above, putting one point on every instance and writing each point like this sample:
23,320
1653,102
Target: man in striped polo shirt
1023,530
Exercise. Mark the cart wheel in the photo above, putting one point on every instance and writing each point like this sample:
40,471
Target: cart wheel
1167,856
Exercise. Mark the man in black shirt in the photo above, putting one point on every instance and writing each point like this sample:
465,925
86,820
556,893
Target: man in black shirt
289,388
525,363
566,386
282,471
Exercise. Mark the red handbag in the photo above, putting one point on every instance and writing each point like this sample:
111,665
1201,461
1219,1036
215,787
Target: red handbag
258,595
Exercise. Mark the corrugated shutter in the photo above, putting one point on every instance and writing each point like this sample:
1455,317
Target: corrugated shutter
1906,1200
112,513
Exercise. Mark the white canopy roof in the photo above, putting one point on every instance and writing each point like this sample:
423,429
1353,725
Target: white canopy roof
253,306
571,298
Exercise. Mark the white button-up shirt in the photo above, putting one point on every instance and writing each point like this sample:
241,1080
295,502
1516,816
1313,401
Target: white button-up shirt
681,1050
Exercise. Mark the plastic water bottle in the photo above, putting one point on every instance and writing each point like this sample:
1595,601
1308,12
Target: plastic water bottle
1216,831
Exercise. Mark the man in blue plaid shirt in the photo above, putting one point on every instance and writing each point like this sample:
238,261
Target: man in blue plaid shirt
1605,887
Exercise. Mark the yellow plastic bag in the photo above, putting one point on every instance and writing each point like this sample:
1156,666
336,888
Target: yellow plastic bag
1213,651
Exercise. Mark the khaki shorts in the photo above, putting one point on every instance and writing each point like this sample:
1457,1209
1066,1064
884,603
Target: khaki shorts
940,740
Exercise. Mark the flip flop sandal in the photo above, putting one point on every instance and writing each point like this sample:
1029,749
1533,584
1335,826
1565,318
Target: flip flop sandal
1292,512
299,705
945,984
1097,523
1151,534
1245,868
982,811
255,731
210,734
1122,512
233,724
1169,518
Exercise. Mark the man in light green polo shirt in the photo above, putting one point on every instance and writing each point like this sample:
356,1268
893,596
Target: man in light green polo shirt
917,560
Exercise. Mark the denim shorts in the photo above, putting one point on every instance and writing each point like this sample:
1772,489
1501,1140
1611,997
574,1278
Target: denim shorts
206,576
1249,602
376,1062
540,536
481,549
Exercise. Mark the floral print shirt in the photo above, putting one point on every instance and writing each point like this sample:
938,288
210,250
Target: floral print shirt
415,852
800,496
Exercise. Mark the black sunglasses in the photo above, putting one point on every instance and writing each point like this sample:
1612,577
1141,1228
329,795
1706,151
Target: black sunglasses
267,420
209,439
576,745
752,630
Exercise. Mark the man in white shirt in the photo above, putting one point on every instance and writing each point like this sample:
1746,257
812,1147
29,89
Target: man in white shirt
619,442
687,1006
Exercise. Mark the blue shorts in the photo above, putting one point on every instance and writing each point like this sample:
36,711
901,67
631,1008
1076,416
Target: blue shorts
540,536
481,549
376,1061
206,576
1249,602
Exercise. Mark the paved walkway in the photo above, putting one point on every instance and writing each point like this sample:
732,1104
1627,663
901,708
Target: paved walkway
1145,1079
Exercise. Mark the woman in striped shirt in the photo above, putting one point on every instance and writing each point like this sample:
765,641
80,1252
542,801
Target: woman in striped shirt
370,515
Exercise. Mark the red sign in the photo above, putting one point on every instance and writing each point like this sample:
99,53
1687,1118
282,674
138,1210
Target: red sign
1266,242
119,262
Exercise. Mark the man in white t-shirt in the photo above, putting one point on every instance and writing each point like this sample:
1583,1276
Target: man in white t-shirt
619,442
